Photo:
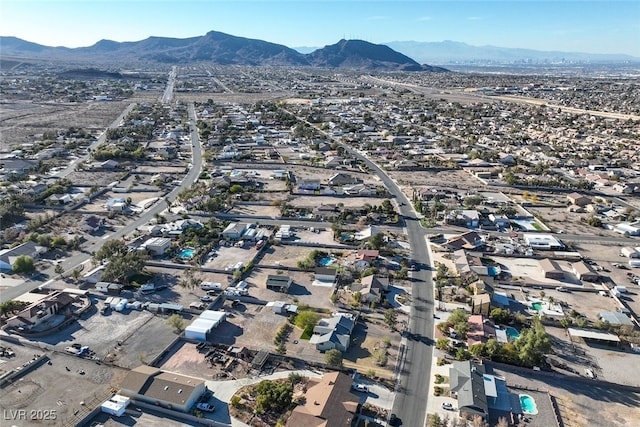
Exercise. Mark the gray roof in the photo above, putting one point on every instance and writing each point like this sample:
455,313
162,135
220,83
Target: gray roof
466,379
615,318
593,334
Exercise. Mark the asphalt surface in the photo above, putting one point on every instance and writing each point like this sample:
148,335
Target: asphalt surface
412,388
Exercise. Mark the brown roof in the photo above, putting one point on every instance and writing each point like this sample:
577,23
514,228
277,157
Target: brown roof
158,385
136,378
329,403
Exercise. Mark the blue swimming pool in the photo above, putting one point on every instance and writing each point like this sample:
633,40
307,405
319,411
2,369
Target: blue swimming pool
326,261
528,405
493,271
536,306
512,332
186,253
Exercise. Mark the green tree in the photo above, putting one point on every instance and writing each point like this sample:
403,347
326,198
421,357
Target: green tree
8,307
380,357
177,322
306,320
111,248
23,264
390,317
121,267
273,396
500,315
59,269
377,241
442,343
333,358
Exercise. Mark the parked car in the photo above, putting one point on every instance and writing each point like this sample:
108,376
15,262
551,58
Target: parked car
206,298
447,406
203,406
360,387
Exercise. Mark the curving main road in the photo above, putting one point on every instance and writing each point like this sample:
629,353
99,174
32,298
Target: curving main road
416,353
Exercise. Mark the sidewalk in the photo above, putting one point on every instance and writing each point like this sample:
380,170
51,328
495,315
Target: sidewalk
434,403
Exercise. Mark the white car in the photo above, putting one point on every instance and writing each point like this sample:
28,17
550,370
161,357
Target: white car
361,388
447,406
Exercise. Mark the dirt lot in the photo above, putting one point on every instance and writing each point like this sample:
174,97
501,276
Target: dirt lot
302,291
21,120
141,334
57,389
452,178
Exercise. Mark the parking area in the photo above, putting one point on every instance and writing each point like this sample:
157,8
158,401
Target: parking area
126,338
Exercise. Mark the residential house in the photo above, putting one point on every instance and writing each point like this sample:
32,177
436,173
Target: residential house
116,205
367,254
339,179
234,231
551,269
8,256
329,402
165,389
158,246
467,385
584,272
469,240
325,274
309,185
92,224
333,333
17,166
359,190
373,287
480,329
326,212
334,162
36,314
481,304
467,218
578,199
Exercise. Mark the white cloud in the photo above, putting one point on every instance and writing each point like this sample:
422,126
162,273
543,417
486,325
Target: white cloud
474,18
424,18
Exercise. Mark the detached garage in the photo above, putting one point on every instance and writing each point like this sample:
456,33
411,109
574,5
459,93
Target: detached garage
204,324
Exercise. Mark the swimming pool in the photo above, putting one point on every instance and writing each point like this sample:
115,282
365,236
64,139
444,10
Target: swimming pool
536,306
528,405
186,253
512,332
326,261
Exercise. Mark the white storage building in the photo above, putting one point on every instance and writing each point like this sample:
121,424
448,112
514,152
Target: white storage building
204,324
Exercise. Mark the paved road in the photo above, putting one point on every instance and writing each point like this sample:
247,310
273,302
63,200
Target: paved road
413,379
76,260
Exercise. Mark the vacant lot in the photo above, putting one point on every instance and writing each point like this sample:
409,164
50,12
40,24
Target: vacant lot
58,388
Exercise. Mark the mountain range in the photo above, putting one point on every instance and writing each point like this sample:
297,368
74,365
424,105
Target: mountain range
222,49
449,52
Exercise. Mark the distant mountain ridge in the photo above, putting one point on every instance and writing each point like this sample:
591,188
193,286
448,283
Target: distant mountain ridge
223,49
451,52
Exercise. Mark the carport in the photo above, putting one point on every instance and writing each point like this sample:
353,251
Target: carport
594,336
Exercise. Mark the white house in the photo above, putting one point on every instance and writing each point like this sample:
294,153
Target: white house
157,245
234,230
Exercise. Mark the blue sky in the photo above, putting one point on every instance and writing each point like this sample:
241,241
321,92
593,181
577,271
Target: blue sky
611,26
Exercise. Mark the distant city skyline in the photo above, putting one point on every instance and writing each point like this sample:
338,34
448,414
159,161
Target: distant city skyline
571,26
